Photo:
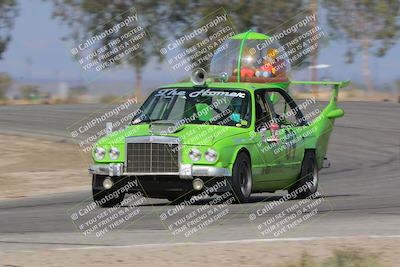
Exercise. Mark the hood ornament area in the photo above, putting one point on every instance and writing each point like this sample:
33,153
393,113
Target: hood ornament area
164,127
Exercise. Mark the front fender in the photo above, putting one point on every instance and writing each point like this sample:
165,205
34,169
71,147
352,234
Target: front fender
229,149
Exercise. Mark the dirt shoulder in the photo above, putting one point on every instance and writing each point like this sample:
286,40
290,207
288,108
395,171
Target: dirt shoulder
33,167
266,253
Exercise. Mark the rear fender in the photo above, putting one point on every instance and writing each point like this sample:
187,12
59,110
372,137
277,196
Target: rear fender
322,126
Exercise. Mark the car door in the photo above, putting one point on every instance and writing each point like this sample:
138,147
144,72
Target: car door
266,170
292,127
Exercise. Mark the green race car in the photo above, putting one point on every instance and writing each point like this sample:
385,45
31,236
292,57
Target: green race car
237,131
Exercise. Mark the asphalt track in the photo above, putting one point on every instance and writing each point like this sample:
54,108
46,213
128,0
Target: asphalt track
360,192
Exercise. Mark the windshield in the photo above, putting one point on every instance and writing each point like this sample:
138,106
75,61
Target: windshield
197,106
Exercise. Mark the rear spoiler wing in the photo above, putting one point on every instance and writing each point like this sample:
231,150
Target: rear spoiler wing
335,86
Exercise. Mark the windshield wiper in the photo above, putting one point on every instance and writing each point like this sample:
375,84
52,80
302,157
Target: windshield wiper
145,121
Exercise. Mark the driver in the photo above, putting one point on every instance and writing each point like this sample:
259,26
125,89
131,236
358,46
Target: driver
235,107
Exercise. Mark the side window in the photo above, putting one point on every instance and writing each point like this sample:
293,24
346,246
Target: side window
263,111
284,113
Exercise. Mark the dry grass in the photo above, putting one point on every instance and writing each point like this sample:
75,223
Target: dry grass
340,258
36,167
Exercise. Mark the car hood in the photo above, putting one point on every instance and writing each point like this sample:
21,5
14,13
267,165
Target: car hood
189,134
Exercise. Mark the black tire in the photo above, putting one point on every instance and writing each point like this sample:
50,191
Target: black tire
242,178
106,198
307,183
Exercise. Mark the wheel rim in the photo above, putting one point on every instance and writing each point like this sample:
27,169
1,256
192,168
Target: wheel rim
245,179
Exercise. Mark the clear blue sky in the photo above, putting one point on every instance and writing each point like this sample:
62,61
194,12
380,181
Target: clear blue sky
36,38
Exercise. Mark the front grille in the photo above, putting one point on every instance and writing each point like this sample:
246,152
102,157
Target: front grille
152,158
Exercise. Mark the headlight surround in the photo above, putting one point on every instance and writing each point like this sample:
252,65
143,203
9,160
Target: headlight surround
194,154
211,155
99,153
113,153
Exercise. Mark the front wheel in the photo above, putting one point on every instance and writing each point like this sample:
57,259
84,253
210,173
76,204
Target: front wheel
242,178
307,183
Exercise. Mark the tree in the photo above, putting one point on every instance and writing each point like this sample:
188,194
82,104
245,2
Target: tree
88,17
5,84
261,15
29,91
265,16
166,20
8,12
369,26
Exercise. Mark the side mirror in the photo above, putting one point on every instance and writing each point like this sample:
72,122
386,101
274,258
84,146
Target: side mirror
336,113
109,128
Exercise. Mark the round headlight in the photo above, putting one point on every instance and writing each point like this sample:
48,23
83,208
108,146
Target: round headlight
194,154
113,153
211,155
99,153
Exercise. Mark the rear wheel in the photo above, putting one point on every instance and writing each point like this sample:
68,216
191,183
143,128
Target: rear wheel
307,183
242,178
106,198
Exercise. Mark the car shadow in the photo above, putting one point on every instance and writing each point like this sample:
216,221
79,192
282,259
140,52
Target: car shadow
253,199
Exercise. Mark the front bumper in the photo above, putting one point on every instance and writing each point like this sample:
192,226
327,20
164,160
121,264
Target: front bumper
186,171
